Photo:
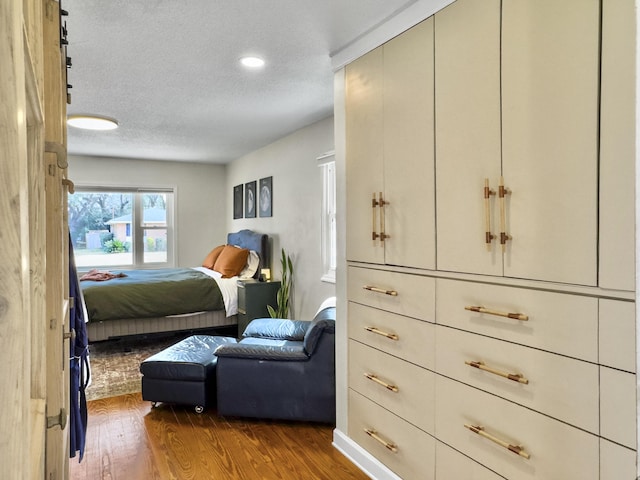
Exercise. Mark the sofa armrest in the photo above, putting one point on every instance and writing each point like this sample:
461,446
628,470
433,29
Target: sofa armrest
262,352
276,328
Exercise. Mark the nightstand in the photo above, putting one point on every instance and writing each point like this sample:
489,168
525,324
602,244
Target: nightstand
253,298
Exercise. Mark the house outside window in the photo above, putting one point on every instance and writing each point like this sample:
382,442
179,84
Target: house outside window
327,164
122,227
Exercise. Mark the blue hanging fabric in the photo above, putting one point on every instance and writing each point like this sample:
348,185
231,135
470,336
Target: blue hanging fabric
78,368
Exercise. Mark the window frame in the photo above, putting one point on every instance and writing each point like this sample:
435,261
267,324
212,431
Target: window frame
137,225
327,165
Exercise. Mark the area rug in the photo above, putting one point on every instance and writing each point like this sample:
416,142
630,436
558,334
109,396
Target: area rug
115,364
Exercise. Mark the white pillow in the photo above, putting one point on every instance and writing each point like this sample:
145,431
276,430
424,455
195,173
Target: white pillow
250,269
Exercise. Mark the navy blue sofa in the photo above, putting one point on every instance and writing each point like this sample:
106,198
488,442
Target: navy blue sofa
281,369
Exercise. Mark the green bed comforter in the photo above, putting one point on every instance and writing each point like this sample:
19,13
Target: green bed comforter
151,293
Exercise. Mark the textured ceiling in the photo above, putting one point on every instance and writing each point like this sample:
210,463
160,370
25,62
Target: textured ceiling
168,71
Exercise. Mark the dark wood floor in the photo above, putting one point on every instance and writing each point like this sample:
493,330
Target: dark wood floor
127,439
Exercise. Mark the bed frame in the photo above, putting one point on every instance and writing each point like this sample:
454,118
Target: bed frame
98,331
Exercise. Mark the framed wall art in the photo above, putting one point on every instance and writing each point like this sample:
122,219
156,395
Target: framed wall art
238,192
250,200
266,196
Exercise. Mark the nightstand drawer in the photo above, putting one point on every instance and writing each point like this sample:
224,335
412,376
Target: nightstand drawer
253,298
404,337
401,387
242,300
403,448
558,386
559,323
410,295
556,450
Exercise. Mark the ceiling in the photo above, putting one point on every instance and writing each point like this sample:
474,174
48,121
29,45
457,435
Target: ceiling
169,71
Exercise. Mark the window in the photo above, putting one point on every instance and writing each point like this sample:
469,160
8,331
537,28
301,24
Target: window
121,227
327,165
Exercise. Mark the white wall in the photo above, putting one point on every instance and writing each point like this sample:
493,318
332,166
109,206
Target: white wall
297,196
200,196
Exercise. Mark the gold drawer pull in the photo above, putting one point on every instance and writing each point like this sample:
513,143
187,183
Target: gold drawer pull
515,316
393,293
373,434
375,379
391,336
516,377
517,449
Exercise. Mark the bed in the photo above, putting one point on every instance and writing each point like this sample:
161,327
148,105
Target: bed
137,302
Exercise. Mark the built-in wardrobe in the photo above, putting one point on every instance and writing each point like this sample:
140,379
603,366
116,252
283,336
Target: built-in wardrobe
490,243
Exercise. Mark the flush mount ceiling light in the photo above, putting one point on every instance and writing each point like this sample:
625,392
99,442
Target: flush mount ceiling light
92,122
252,62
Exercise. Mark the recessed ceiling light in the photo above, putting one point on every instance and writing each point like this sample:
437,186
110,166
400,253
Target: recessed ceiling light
92,122
252,62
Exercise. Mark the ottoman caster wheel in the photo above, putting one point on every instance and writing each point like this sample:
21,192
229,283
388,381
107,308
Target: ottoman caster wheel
199,409
154,404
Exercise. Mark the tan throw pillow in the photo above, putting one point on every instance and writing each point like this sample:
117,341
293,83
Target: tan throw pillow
210,260
231,261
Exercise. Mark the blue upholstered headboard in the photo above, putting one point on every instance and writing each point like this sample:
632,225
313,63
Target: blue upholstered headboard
253,241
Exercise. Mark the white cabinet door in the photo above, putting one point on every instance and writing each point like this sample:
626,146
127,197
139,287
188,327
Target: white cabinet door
467,91
364,120
408,148
550,75
517,96
617,146
389,124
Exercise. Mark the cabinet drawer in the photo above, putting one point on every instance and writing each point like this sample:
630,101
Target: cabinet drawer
561,387
410,295
617,325
559,323
557,451
616,462
410,453
618,406
452,465
401,387
404,337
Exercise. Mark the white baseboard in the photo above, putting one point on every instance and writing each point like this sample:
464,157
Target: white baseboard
361,458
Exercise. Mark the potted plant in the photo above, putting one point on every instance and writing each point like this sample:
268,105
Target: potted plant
283,296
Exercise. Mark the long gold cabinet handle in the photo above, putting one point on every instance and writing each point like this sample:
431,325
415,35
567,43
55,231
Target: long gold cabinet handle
487,192
374,434
502,193
386,385
377,331
382,202
374,204
517,449
515,316
516,377
371,288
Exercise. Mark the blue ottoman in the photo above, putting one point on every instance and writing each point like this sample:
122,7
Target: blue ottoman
184,373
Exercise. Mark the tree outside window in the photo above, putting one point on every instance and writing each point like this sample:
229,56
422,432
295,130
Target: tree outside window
121,227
